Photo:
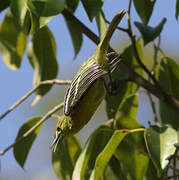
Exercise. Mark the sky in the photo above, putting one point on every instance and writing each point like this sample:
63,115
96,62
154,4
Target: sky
14,84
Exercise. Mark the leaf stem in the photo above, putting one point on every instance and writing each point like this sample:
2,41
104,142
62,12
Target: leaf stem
136,130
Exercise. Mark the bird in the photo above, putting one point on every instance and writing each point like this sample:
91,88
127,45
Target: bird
88,88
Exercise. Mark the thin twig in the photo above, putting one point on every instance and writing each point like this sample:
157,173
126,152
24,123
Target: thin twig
156,49
162,52
134,41
171,177
45,117
173,167
136,54
55,81
129,17
153,109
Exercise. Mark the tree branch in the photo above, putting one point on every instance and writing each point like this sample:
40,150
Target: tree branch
153,108
55,81
155,90
171,177
45,117
167,99
84,29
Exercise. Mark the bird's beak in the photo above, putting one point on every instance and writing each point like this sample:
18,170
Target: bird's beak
55,142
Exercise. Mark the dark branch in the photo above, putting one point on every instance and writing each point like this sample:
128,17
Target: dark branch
155,90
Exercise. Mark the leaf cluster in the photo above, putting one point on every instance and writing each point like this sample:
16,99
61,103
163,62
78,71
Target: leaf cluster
122,148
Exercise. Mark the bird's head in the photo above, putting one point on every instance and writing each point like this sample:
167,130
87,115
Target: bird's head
63,129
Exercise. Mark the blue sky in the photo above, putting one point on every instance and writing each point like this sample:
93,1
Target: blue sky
14,84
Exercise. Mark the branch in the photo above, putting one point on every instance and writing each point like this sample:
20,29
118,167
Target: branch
155,62
156,50
136,54
45,117
171,177
55,81
167,99
155,90
153,109
84,29
133,40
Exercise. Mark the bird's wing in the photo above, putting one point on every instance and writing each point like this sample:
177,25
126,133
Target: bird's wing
80,85
83,81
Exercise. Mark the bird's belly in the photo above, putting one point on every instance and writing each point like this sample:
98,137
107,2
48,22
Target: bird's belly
88,106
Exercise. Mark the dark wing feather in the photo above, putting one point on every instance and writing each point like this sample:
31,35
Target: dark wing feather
84,80
80,85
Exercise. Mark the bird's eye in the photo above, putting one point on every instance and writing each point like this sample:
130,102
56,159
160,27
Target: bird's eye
58,128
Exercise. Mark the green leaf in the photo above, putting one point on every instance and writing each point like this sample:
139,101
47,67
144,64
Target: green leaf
92,7
72,5
127,89
46,8
21,11
131,150
65,157
160,145
144,9
126,119
128,108
177,9
151,172
43,11
104,157
113,170
39,22
133,162
76,36
150,33
42,56
22,148
101,24
12,42
4,4
93,147
34,14
169,80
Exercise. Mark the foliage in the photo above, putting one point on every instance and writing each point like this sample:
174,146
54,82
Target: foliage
123,148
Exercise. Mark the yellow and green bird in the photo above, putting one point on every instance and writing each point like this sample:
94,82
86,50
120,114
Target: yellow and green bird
87,89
